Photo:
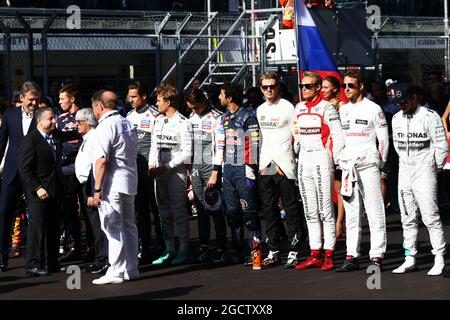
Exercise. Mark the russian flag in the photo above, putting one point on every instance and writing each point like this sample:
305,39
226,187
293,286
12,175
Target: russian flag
313,54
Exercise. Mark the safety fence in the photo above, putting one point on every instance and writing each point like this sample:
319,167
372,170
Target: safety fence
410,48
112,48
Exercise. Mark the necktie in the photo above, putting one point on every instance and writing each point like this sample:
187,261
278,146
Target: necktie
51,144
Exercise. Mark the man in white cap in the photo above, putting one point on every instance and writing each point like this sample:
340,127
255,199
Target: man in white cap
390,82
390,89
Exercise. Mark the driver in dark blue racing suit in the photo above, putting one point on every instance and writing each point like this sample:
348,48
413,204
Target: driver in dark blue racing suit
242,139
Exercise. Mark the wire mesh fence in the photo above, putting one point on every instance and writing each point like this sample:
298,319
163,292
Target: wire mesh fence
410,48
175,48
112,51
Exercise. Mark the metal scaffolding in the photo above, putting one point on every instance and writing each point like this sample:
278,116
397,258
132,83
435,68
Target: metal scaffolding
177,47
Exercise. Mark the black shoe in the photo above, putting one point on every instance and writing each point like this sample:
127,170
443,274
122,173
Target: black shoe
232,257
144,256
349,265
96,269
272,259
446,273
221,257
203,254
36,272
90,254
54,269
71,255
292,260
377,261
3,267
248,262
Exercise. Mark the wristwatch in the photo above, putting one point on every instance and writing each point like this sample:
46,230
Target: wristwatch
98,190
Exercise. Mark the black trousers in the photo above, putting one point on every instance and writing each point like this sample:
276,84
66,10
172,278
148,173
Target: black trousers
145,201
100,240
271,188
44,218
200,177
71,219
87,223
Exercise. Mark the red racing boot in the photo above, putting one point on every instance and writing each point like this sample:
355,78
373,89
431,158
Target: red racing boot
328,264
314,261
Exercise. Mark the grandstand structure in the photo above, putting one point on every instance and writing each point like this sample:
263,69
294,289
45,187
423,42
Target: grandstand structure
115,46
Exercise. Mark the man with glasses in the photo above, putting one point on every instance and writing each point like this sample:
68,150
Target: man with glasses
421,144
277,171
318,132
86,124
365,152
40,171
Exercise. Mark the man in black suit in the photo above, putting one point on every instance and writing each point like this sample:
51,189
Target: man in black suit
86,124
43,180
17,122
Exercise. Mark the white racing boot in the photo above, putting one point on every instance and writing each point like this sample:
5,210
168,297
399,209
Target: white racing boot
407,266
438,267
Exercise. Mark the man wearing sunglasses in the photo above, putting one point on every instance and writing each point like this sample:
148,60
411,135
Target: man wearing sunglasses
365,128
318,132
421,144
277,172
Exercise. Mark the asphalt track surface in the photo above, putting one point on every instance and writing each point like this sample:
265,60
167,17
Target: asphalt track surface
235,282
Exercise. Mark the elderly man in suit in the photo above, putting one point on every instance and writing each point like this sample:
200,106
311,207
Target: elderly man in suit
17,122
86,124
44,184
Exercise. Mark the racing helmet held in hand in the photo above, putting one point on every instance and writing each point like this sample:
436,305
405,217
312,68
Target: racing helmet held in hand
213,200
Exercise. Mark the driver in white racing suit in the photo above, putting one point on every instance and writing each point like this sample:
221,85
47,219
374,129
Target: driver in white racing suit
364,124
208,146
317,129
170,151
421,144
